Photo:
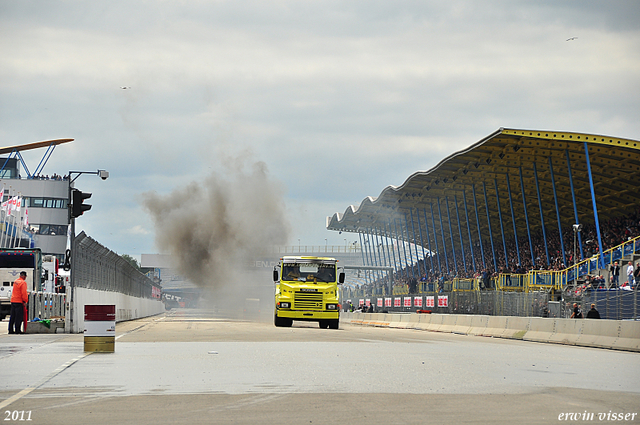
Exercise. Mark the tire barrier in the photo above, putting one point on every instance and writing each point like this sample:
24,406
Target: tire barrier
611,334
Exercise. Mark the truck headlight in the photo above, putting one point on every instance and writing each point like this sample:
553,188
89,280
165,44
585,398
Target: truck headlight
284,305
332,306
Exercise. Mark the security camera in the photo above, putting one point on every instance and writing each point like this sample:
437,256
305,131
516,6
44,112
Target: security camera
104,174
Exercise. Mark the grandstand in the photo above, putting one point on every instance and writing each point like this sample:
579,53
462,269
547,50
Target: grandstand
533,210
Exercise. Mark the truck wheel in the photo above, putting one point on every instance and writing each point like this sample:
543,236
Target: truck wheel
324,324
334,323
282,322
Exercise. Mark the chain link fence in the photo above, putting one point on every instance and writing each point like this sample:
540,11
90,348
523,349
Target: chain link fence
491,303
97,267
614,305
611,304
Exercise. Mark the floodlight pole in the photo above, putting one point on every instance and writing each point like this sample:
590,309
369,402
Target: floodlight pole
72,236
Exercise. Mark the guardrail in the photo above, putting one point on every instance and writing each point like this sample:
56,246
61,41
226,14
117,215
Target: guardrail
543,279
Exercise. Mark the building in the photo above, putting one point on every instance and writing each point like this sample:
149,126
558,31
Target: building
41,217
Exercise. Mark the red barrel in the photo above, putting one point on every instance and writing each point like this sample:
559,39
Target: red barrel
99,328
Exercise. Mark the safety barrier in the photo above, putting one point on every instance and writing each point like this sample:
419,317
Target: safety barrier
478,325
45,305
612,334
48,309
495,326
516,327
628,337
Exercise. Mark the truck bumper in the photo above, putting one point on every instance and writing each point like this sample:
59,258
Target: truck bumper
308,315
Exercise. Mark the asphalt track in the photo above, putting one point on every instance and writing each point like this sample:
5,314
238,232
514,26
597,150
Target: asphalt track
196,367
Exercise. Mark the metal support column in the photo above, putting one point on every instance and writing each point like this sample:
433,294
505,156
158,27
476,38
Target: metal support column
426,228
475,204
544,232
555,198
385,237
364,261
372,246
404,248
424,255
367,242
453,247
595,207
493,250
416,245
435,237
383,258
504,242
575,207
526,218
466,213
406,226
444,244
380,256
513,220
464,260
393,250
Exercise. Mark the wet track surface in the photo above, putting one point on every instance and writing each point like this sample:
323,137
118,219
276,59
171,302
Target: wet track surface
193,366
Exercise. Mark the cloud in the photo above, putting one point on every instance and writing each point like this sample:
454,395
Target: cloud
339,99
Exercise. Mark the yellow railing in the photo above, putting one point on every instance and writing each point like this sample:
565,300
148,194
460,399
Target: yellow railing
465,285
400,290
511,282
545,279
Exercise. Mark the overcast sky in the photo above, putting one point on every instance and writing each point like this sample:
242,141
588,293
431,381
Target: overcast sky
339,99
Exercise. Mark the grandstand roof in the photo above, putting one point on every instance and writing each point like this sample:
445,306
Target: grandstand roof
34,145
496,163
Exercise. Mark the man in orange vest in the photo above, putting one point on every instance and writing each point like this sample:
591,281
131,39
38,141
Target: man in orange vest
19,300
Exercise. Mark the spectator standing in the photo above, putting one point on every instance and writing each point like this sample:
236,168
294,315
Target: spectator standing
19,298
615,274
577,313
630,274
636,275
593,313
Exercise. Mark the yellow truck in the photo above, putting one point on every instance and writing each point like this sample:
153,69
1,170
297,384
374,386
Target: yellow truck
307,289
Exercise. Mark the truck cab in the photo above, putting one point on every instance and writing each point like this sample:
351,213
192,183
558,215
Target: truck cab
12,262
306,289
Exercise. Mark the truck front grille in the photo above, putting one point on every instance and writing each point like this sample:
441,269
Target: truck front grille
308,300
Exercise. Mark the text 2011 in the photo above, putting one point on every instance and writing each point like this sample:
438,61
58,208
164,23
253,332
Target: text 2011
17,415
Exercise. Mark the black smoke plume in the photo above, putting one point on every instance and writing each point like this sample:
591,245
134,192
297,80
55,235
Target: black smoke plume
213,228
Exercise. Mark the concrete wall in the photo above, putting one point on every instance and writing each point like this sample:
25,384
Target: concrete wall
127,307
613,334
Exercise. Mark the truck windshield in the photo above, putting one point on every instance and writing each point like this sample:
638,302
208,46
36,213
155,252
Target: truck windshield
309,272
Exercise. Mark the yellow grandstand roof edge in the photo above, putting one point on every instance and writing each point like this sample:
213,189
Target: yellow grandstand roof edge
573,137
34,145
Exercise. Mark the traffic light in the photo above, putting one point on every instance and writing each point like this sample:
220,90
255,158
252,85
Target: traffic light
77,206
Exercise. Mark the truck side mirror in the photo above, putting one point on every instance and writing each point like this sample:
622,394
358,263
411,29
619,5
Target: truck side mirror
275,275
341,278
